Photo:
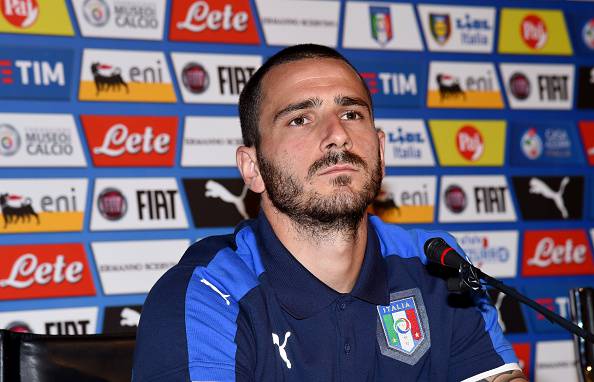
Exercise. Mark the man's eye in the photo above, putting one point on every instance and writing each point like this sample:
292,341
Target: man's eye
352,115
299,121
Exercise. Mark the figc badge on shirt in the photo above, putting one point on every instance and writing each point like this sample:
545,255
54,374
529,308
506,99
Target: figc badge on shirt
403,327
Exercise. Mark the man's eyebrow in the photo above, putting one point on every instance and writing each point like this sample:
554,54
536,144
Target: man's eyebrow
350,101
307,104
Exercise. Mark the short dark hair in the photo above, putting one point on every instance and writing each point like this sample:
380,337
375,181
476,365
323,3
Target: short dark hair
250,98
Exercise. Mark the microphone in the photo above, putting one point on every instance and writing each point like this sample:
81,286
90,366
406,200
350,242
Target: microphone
438,251
469,278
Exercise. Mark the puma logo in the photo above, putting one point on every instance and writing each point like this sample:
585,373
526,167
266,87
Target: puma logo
539,187
281,348
209,284
129,317
217,190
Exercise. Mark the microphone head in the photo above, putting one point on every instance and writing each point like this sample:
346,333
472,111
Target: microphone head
434,247
439,251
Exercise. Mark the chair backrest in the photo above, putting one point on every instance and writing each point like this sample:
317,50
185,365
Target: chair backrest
65,358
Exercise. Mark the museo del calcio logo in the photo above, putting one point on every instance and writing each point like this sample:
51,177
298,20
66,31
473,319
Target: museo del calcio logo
39,140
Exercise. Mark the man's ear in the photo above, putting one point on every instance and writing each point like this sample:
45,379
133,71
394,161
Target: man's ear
247,164
381,136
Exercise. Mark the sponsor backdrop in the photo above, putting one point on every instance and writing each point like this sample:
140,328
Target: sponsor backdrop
118,126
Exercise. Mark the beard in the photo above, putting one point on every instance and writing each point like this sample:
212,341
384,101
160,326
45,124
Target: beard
318,214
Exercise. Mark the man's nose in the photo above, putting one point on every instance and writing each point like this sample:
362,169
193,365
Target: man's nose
335,135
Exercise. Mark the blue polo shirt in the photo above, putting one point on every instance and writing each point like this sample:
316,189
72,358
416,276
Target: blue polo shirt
240,307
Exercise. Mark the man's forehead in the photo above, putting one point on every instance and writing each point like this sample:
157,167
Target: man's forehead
311,73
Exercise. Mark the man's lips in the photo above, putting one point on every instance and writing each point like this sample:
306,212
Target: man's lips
338,168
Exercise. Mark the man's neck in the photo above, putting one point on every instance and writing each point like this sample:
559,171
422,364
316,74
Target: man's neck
335,258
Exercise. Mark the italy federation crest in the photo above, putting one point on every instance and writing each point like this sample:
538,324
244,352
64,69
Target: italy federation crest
381,24
441,27
403,327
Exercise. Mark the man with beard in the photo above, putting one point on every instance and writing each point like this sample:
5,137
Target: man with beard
314,289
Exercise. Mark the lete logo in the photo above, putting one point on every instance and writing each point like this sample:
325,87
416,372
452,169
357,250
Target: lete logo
228,21
53,270
131,141
560,252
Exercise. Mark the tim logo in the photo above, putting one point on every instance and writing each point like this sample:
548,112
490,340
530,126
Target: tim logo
35,73
32,72
107,78
534,32
20,13
15,208
6,72
392,84
449,87
381,24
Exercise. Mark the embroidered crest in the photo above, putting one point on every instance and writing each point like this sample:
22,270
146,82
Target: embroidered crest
403,327
381,24
441,27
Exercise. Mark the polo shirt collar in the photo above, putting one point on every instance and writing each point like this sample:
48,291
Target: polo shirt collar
301,294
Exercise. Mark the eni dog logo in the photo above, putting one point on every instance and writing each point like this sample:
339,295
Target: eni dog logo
463,85
111,75
49,205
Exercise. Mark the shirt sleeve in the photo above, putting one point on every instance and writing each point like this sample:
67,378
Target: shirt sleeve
187,331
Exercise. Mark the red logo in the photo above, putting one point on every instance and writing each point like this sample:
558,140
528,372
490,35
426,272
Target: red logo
523,353
20,13
587,130
534,32
228,21
131,141
51,270
554,253
469,142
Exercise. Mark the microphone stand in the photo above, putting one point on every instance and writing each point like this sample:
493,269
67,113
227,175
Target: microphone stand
470,277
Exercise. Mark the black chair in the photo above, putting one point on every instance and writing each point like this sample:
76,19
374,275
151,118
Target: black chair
26,357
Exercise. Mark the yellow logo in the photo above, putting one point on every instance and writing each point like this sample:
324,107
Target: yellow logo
469,142
463,85
49,17
129,76
533,31
405,199
48,205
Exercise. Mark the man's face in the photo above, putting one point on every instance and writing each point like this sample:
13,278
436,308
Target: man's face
320,156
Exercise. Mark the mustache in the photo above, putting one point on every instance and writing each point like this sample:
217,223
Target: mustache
333,158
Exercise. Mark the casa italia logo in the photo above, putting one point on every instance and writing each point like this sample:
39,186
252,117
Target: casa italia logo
402,328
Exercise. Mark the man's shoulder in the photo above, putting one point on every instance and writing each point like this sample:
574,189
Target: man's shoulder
228,259
407,243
